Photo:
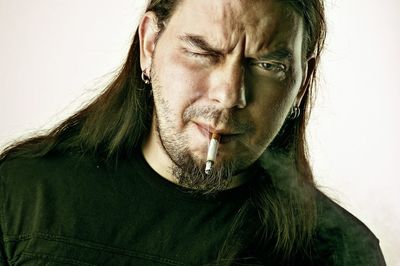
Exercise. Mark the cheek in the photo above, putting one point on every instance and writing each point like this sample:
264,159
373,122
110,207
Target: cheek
178,86
271,101
181,82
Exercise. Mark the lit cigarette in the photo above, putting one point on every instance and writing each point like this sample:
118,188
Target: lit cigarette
212,152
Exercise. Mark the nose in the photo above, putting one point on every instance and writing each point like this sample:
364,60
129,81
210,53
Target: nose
226,85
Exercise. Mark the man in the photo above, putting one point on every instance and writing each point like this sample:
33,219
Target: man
123,181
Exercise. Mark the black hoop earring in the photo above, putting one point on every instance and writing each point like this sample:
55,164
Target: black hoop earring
146,79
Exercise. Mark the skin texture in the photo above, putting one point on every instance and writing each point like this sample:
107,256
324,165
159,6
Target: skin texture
234,67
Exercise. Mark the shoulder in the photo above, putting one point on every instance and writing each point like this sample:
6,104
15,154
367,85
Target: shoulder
34,190
343,237
26,183
331,215
22,172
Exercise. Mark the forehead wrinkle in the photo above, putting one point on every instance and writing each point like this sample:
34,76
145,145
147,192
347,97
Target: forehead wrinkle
237,24
252,26
268,33
227,19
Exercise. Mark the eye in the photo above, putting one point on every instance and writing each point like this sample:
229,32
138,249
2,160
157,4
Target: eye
206,57
202,56
270,66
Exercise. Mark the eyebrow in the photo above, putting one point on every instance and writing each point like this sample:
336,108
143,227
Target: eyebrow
278,54
199,42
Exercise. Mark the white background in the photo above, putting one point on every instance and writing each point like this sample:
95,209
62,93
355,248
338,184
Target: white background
56,55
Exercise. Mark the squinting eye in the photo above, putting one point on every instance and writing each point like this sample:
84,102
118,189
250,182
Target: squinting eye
203,56
199,55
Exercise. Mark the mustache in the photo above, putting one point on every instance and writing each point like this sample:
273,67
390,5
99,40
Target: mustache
214,116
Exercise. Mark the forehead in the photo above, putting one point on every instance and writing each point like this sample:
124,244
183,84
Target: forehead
259,24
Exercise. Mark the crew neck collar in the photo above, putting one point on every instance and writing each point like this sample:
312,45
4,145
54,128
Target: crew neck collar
165,186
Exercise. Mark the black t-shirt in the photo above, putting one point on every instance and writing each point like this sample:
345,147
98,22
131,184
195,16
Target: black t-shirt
73,210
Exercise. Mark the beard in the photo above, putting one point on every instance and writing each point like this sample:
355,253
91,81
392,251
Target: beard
187,168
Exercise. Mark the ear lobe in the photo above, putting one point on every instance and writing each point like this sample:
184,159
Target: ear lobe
308,75
148,31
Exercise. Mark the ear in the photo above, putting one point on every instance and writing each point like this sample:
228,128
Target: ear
307,76
148,31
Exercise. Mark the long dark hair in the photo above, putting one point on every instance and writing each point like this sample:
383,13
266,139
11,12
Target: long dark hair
115,123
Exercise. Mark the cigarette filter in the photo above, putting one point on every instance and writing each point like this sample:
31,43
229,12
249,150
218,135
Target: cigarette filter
212,152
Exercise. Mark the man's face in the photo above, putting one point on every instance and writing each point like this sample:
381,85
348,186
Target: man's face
232,67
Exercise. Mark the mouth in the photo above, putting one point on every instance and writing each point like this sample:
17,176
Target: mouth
226,134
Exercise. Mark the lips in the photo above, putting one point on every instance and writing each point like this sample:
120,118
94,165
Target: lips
226,134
